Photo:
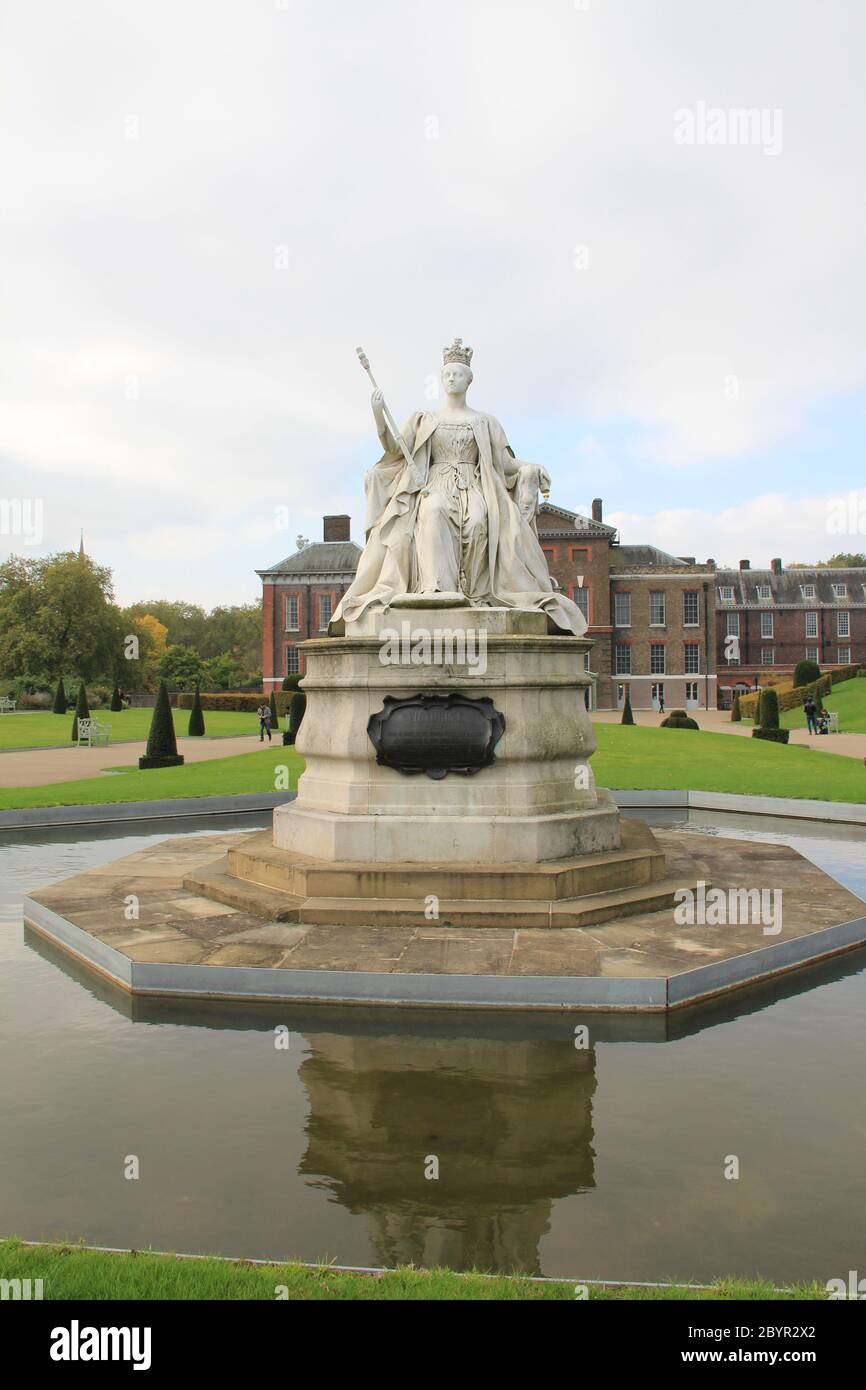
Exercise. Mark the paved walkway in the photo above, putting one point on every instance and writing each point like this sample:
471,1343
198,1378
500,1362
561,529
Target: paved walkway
718,721
39,767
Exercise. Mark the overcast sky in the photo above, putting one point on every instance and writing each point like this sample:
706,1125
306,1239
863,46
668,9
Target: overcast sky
207,204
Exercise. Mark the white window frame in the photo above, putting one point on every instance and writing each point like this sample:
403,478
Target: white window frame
621,647
692,594
624,598
843,624
693,650
764,592
290,669
580,594
726,593
768,656
807,590
328,599
732,624
844,656
658,670
691,692
811,623
658,594
293,626
767,623
840,590
812,654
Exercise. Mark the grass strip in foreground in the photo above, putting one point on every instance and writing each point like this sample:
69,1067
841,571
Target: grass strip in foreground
75,1272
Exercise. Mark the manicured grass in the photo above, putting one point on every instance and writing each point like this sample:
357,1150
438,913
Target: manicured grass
667,759
38,729
627,757
848,698
73,1272
244,773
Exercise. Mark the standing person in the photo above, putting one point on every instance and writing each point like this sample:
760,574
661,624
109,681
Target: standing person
661,703
264,713
810,709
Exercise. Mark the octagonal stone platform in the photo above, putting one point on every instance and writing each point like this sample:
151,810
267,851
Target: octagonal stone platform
185,944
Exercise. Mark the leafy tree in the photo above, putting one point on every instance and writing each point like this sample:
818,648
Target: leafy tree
82,709
196,717
150,635
222,672
627,716
61,704
236,630
57,614
185,623
181,667
292,682
161,741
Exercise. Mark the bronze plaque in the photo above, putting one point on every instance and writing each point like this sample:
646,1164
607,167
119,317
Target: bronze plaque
436,734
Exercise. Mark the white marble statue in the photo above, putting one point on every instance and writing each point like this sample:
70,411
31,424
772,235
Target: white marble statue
456,524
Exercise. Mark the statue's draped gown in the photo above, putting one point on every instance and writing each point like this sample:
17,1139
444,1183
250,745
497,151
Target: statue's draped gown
450,523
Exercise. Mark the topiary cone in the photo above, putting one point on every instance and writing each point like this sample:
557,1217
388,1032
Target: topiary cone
275,718
161,741
296,714
196,716
736,716
61,704
116,702
627,716
82,710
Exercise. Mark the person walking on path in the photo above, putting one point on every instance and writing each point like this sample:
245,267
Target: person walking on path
264,713
661,703
810,709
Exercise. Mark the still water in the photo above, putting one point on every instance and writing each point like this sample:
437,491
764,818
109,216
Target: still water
599,1163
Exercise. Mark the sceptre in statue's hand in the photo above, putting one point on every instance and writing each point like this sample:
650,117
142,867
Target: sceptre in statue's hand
381,413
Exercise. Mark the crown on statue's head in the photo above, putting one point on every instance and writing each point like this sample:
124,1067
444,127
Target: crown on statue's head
457,353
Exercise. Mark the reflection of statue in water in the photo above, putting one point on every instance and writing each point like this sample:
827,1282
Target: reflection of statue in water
509,1122
451,514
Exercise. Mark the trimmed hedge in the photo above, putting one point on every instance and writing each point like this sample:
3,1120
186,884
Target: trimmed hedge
299,705
806,672
772,735
678,719
791,698
236,700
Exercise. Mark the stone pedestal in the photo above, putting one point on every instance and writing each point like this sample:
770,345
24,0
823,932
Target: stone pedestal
537,802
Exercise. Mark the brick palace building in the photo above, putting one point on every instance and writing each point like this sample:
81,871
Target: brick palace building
660,623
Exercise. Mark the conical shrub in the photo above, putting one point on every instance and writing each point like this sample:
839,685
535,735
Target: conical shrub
275,718
61,704
736,716
627,716
82,710
296,714
769,719
161,741
116,702
196,716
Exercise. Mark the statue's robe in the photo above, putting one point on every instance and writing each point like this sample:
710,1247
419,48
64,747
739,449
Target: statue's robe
518,570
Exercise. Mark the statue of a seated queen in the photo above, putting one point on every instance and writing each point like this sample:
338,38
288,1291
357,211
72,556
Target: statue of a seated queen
452,519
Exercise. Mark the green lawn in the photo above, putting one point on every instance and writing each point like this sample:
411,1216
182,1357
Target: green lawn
848,698
73,1272
637,757
234,776
38,729
627,757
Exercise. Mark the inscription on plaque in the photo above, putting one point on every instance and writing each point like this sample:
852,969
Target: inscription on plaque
436,734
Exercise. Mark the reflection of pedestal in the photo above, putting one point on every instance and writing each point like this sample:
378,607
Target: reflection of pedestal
524,840
509,1123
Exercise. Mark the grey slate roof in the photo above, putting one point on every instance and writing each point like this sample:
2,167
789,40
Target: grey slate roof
321,557
643,555
786,588
559,521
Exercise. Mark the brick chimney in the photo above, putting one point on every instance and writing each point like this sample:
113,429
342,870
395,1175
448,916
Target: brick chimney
596,509
744,565
337,528
776,566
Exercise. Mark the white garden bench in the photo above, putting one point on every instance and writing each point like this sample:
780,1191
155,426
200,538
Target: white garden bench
90,731
834,721
7,705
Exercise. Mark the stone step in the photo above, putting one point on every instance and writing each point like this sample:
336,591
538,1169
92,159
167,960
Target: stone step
505,913
215,882
639,862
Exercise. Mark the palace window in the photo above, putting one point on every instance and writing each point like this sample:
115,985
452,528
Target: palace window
622,610
843,624
732,624
326,604
807,590
657,658
811,653
581,598
691,616
622,659
726,593
292,613
579,557
766,624
692,658
657,609
768,656
292,667
765,593
844,656
840,590
811,624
